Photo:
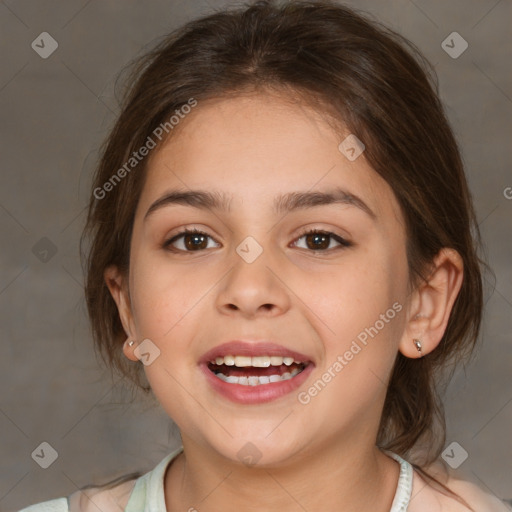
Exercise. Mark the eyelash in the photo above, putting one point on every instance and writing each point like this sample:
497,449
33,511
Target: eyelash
343,243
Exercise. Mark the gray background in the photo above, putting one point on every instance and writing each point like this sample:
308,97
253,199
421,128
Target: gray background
56,112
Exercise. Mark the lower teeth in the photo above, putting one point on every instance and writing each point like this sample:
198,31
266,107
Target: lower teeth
253,380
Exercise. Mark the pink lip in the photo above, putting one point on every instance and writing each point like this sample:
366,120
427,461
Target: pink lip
255,348
254,394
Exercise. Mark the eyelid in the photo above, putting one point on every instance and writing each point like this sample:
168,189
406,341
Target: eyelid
342,241
185,231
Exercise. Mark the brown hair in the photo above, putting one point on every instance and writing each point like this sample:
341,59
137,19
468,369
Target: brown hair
351,68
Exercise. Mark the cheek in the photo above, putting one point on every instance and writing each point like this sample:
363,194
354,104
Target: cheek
363,314
165,296
164,303
362,305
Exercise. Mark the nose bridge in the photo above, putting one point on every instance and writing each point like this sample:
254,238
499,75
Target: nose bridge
253,281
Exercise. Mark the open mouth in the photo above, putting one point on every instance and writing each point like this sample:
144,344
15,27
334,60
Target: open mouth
257,370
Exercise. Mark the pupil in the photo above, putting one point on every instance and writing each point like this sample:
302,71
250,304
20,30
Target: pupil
315,236
318,235
192,245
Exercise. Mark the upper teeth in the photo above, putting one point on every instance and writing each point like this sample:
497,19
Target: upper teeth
258,361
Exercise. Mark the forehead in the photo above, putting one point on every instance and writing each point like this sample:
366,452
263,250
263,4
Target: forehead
259,146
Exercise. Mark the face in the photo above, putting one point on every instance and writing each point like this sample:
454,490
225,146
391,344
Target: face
333,300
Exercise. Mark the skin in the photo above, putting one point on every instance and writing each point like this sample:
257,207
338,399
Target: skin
255,147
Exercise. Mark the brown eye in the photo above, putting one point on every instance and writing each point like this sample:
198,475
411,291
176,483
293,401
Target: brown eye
193,240
321,240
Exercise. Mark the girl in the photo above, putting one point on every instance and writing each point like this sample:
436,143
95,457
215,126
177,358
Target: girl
284,251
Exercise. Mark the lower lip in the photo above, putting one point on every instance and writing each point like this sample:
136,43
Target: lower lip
256,394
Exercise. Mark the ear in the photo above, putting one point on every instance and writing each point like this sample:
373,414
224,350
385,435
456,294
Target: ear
432,303
117,284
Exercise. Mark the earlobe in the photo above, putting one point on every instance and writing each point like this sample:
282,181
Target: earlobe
128,349
418,346
431,305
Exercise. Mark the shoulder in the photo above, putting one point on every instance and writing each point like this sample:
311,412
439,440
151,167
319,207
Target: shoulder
132,494
99,498
57,505
477,497
89,500
428,496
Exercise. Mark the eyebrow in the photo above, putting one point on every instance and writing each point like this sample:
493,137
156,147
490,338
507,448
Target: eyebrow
206,200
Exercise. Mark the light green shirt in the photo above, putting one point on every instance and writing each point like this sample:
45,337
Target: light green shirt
146,494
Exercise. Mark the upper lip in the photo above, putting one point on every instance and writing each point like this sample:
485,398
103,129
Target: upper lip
253,349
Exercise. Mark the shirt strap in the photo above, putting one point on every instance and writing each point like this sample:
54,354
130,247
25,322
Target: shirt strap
404,487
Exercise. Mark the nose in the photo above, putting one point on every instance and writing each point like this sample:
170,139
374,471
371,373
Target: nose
254,289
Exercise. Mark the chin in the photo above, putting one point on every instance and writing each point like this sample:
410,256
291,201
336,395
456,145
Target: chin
256,450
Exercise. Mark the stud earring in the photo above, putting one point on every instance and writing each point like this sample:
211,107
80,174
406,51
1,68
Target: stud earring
131,343
418,346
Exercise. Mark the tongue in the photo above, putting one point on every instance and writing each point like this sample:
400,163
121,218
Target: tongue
253,370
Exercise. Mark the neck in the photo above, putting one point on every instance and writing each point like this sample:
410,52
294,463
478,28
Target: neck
340,476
